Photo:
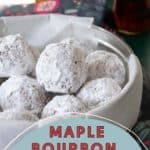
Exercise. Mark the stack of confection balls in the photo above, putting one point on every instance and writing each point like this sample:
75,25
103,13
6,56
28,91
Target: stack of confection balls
72,75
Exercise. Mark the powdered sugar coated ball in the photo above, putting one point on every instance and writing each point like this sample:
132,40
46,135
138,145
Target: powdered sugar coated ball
16,58
106,64
86,45
18,114
61,68
22,92
98,92
63,104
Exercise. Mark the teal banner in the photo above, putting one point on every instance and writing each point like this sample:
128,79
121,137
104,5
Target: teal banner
75,133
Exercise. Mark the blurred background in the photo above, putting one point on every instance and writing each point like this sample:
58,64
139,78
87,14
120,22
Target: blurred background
128,19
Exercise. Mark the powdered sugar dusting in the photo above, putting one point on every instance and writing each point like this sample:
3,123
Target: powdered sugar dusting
97,92
15,56
63,104
85,45
106,64
22,92
61,68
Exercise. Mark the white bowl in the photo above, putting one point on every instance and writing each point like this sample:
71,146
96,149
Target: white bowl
123,109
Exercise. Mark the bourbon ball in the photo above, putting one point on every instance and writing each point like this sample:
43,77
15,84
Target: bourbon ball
99,92
16,57
61,68
86,45
22,92
63,104
106,64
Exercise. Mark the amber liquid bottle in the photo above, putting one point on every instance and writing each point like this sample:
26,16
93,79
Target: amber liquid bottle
132,16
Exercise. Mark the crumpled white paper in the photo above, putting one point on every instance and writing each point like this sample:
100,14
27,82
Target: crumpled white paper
38,30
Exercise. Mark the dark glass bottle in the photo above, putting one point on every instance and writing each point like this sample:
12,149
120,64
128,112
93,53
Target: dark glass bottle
132,16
